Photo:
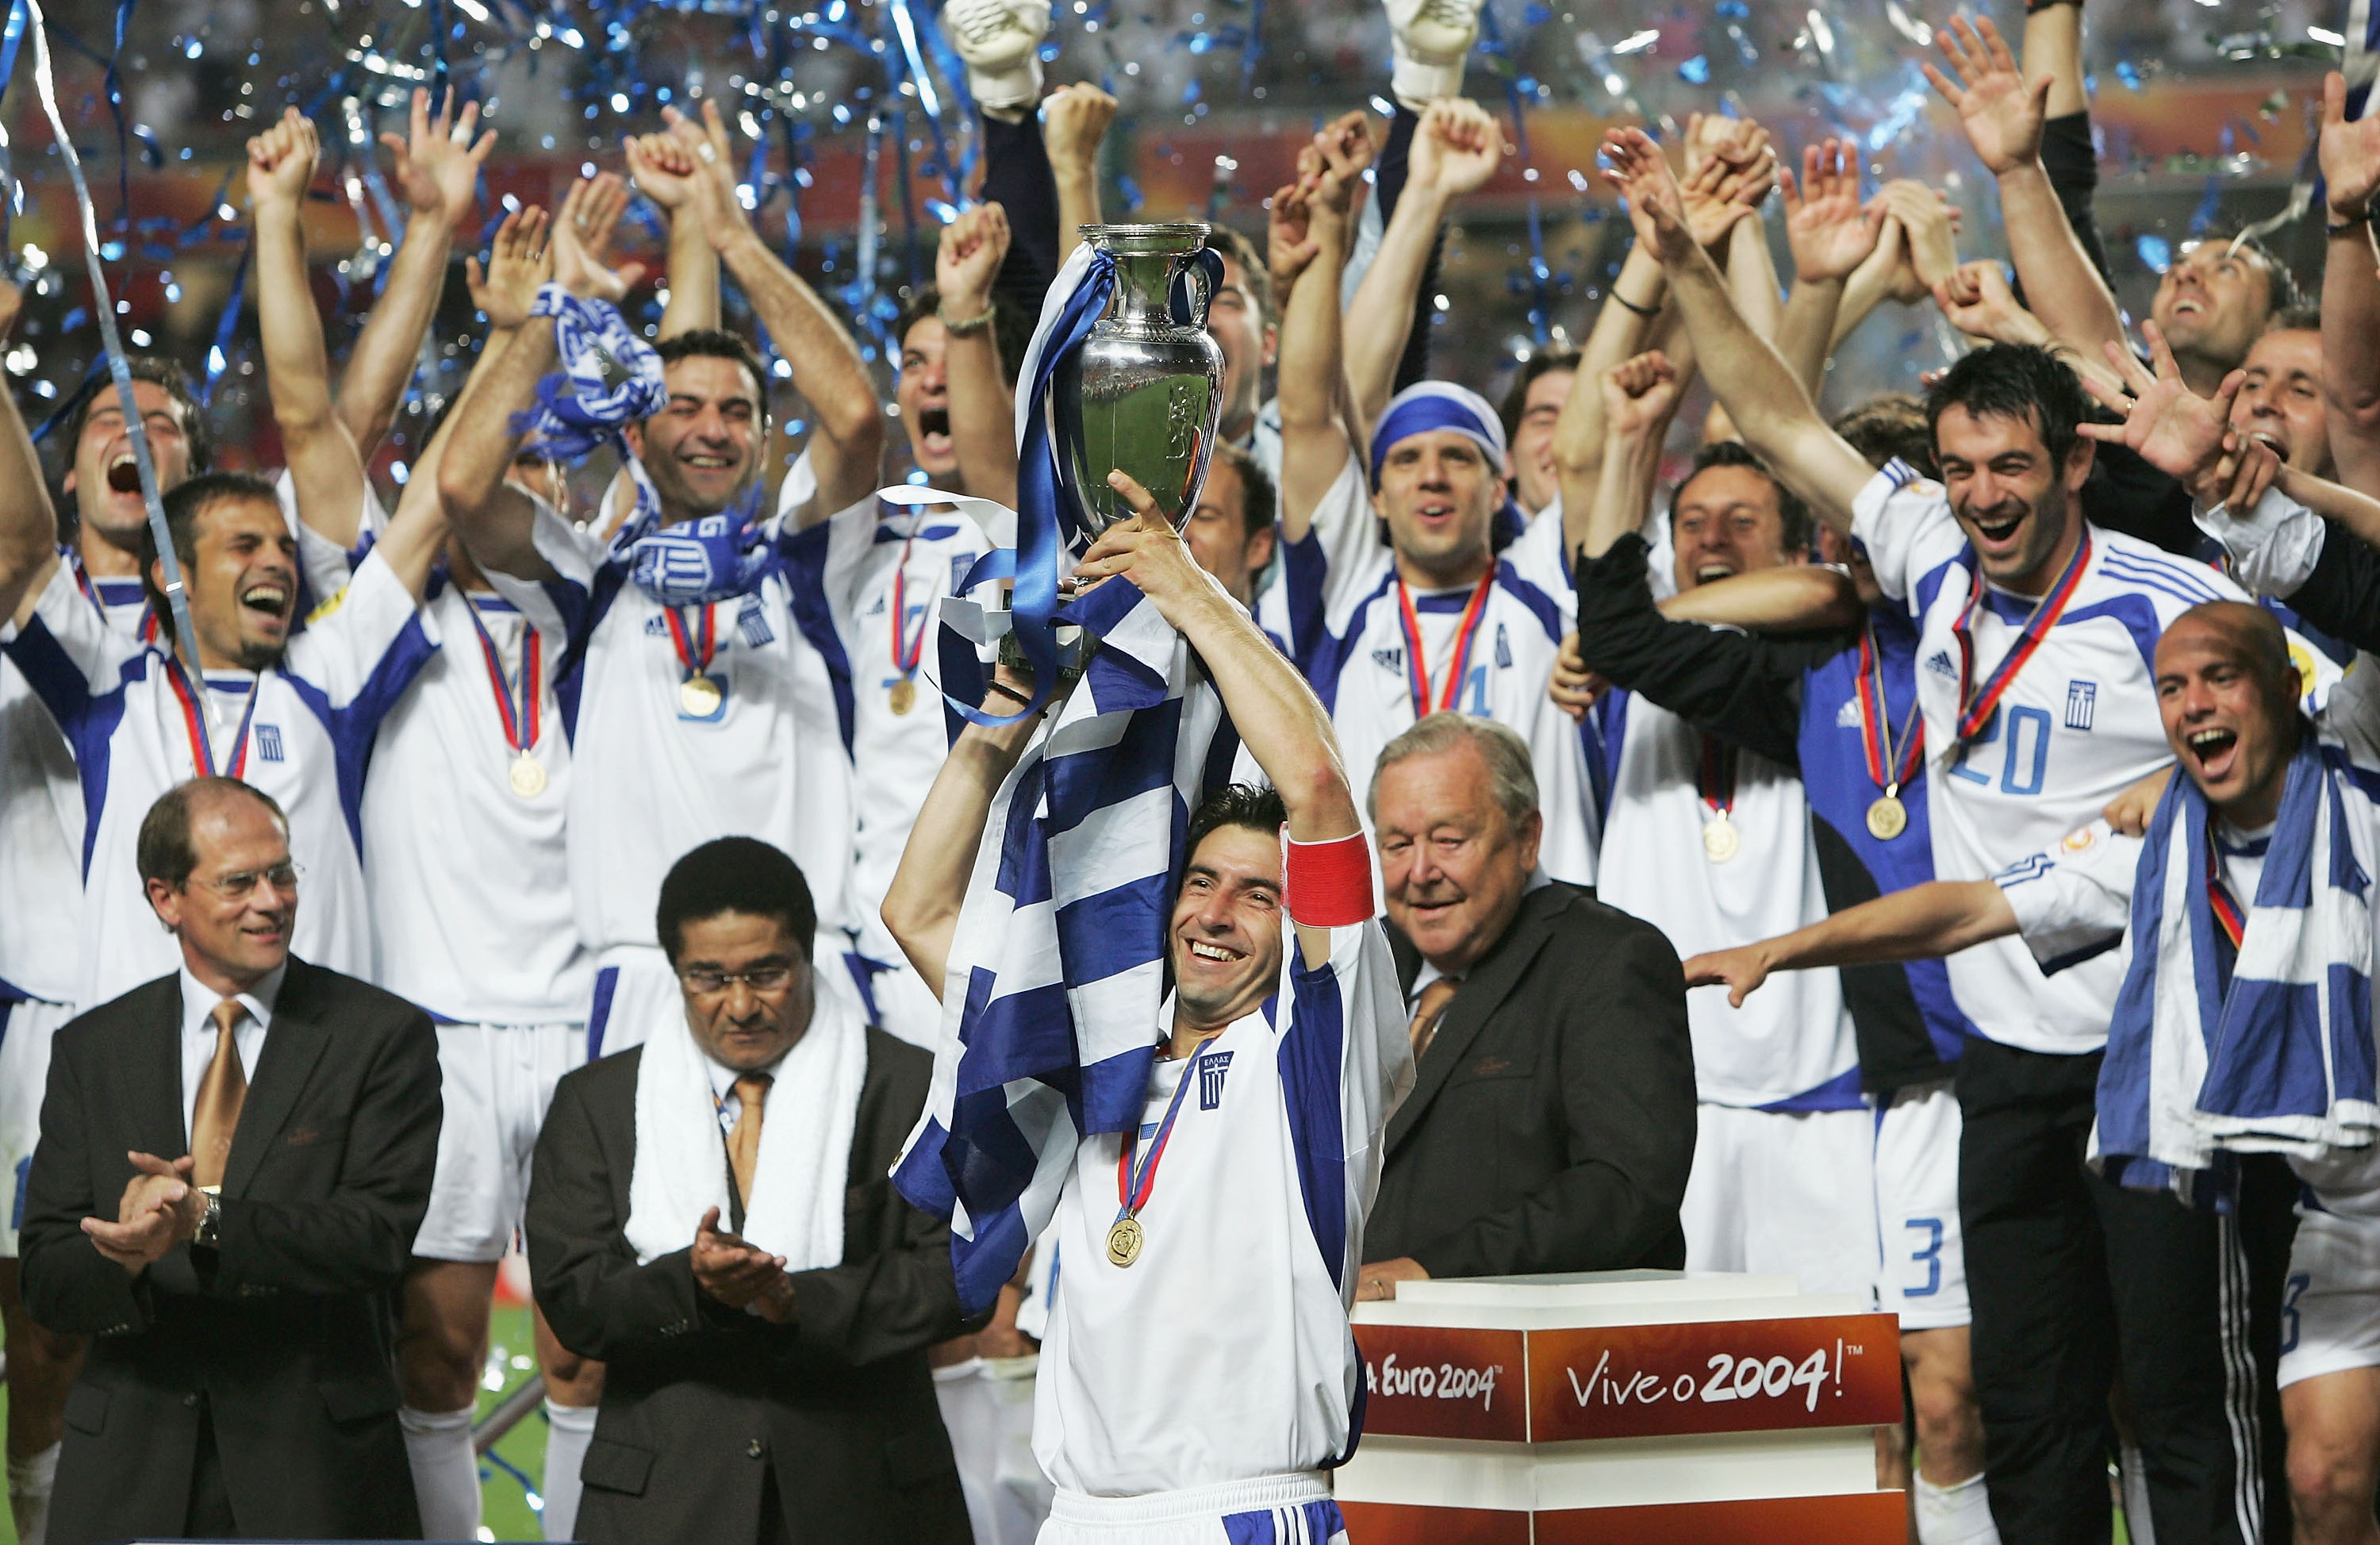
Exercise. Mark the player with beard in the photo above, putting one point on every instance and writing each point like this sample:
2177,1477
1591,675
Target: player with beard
1251,1195
2038,708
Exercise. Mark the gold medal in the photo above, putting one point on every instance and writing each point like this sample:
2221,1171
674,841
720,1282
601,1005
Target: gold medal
1888,818
1124,1241
905,695
1719,839
527,776
699,695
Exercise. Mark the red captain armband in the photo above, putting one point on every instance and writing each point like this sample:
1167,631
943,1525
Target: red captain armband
1326,884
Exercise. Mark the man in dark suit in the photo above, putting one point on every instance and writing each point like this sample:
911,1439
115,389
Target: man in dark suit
241,1379
1551,1125
710,1214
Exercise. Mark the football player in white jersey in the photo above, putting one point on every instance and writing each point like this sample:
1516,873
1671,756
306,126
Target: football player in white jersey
2229,692
2036,631
687,721
1436,619
1712,844
1295,1047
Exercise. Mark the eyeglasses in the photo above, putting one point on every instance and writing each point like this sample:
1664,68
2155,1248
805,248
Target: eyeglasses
242,884
766,981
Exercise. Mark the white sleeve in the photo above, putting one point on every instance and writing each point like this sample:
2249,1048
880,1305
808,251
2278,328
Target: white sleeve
2075,901
799,487
370,624
1903,522
95,651
2273,548
325,564
1340,562
1540,556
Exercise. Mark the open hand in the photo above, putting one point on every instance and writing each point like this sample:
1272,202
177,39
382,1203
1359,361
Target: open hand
1656,208
1740,970
1151,555
731,1271
2172,428
1932,224
2001,113
1830,234
1290,244
2349,153
437,161
519,262
715,198
582,232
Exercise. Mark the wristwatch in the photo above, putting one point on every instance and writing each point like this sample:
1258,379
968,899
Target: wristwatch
209,1233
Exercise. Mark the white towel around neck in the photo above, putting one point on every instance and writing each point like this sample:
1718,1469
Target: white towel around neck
795,1208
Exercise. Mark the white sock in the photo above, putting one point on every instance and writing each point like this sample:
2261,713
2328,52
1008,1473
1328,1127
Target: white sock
1960,1514
2137,1521
570,1428
445,1471
29,1493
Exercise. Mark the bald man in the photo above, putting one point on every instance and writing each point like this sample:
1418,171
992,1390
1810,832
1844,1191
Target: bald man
2261,780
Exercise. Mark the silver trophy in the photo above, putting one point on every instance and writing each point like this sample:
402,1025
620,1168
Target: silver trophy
1145,392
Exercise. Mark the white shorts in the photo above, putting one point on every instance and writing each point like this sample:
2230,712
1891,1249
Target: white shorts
2330,1302
495,1082
1922,1258
26,1025
988,1409
1270,1510
1786,1192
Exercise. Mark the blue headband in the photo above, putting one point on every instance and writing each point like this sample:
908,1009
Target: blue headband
1435,405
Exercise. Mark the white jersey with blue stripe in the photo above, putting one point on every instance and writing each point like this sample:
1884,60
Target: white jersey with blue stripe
470,886
310,739
843,571
650,781
1351,638
42,824
1223,1352
2079,724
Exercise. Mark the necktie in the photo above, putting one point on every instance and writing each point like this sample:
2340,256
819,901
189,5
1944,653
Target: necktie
744,1142
221,1093
1428,1010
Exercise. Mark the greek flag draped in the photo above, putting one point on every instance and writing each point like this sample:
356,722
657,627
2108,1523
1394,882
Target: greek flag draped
2282,1061
1057,969
608,376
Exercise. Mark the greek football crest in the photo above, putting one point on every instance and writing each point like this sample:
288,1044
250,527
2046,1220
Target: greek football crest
1212,1065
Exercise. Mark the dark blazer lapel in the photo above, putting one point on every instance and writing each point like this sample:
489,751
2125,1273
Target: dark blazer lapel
159,1124
292,1047
1483,992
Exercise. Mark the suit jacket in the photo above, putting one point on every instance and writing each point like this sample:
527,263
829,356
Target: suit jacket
701,1403
1552,1123
284,1335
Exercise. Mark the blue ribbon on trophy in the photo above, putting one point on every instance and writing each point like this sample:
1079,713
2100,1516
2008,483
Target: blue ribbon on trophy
1063,501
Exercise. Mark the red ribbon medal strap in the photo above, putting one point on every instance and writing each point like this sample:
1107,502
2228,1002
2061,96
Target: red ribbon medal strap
2219,899
906,651
1975,707
202,751
1417,660
1874,726
520,723
1136,1182
694,647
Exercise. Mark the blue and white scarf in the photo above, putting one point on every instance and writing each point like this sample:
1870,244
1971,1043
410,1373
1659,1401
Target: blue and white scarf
1057,969
2282,1063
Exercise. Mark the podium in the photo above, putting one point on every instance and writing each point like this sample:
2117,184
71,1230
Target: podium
1622,1408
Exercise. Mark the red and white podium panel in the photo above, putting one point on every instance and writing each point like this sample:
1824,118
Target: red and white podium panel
1622,1408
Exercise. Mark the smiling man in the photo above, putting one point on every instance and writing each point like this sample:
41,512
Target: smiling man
2256,769
1551,1127
2034,693
234,1162
1280,1053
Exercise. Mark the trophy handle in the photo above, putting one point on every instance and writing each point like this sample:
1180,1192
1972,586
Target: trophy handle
1195,283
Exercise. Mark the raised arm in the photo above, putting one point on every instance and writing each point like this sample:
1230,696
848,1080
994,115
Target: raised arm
1771,411
1455,151
1940,918
2002,114
2350,290
324,466
983,405
1281,722
1830,235
1639,398
29,523
1075,119
436,166
921,905
846,444
663,168
1310,232
497,521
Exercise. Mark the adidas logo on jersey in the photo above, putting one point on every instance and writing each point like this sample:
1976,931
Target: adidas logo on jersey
1848,716
1940,664
1391,659
655,627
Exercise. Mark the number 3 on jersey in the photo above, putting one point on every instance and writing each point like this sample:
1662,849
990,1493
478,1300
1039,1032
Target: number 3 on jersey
2025,754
